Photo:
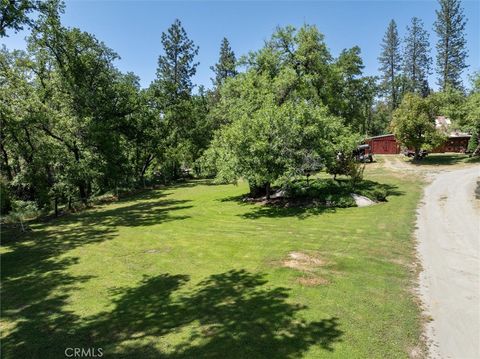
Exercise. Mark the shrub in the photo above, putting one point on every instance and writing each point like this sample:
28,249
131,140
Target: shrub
22,211
379,194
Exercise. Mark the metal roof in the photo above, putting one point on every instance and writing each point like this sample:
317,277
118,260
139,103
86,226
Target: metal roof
380,136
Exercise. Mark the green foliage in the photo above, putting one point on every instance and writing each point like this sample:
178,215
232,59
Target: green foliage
277,120
416,58
275,138
390,65
414,124
16,14
176,66
473,142
226,66
451,45
325,192
449,103
21,212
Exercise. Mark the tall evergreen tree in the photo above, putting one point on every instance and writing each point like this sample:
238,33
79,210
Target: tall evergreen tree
451,45
226,66
416,59
390,64
176,67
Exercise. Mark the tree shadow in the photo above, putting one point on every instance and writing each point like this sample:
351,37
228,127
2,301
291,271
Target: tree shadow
36,284
444,160
272,211
315,201
235,314
134,215
232,314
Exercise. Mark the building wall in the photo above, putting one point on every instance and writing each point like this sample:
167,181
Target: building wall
388,145
453,144
383,145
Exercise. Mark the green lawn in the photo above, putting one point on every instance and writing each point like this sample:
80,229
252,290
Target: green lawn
446,159
190,271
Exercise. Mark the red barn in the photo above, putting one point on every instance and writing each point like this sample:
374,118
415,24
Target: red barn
384,144
456,142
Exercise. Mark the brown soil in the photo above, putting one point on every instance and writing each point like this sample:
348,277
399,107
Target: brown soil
302,261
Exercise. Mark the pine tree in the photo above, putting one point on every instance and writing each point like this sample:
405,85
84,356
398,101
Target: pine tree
390,64
416,59
176,67
226,66
451,45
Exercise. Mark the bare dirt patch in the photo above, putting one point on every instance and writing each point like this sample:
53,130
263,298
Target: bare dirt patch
303,261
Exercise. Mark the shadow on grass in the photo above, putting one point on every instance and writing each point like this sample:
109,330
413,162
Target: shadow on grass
233,314
445,160
34,269
314,200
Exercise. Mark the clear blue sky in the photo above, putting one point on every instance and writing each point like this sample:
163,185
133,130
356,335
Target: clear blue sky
133,28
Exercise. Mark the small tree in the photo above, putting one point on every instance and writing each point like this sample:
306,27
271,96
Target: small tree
414,124
473,143
21,212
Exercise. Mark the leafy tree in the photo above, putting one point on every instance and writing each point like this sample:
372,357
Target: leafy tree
14,14
380,119
226,66
414,124
275,122
451,45
471,121
416,58
354,94
390,64
449,103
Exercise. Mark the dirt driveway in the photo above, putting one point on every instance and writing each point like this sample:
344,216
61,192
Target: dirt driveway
448,235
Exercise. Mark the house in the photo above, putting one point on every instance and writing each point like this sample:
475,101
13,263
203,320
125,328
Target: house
387,144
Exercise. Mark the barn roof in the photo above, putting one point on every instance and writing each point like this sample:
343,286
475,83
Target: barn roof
380,136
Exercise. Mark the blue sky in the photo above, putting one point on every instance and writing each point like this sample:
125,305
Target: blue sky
133,28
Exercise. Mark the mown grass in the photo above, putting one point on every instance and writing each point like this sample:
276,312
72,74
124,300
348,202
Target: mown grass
190,272
445,159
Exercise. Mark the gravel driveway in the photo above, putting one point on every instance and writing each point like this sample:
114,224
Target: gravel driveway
448,235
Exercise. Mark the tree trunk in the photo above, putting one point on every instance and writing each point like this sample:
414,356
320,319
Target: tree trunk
82,192
416,156
6,162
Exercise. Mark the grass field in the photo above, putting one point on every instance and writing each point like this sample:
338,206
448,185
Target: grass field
190,271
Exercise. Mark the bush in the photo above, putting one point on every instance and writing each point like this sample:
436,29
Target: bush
21,212
379,194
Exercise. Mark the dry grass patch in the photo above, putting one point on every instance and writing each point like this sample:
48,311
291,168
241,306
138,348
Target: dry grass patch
303,261
312,281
